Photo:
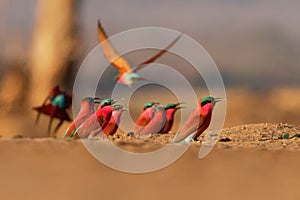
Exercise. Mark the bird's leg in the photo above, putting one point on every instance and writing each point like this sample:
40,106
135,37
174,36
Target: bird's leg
51,120
39,113
37,118
57,127
49,126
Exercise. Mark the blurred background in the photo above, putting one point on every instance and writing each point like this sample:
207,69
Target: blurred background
255,44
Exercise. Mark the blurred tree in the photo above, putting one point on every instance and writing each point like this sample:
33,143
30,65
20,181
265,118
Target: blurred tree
53,46
13,84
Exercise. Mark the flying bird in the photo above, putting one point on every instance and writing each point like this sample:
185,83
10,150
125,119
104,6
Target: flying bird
170,112
127,75
87,108
198,120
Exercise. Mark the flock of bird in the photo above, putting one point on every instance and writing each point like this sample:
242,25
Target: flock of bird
98,118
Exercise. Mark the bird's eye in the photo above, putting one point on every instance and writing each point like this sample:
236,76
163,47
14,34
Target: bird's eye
205,102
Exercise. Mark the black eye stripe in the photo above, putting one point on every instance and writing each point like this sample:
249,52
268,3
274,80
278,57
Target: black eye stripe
205,102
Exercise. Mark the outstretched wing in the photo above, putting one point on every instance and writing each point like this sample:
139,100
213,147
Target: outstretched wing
152,59
48,110
120,63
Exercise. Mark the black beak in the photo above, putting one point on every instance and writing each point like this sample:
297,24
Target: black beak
178,105
119,107
97,100
218,99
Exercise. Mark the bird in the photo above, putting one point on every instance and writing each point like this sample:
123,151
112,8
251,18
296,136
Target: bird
127,75
198,120
97,121
170,112
54,91
156,123
87,108
59,103
113,124
144,118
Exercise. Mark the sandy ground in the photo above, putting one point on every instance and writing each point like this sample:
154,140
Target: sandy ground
48,168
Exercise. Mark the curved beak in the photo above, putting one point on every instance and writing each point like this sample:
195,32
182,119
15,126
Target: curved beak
142,79
120,107
97,100
218,99
178,105
124,109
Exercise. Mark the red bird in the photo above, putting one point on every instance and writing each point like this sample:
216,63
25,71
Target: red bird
145,117
96,122
113,124
127,74
55,91
59,103
198,120
86,110
156,123
170,112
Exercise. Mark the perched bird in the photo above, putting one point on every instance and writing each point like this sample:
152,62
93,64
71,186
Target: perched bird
145,117
55,91
127,75
59,103
156,123
113,124
97,121
87,108
170,112
198,120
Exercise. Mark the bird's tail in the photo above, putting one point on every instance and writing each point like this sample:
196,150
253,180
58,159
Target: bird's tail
186,140
76,132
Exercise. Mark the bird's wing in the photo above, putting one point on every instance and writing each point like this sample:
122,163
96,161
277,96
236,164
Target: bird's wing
145,117
88,126
190,127
47,110
152,59
140,124
156,123
120,63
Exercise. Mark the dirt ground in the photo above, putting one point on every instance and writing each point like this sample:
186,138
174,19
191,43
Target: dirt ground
263,167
